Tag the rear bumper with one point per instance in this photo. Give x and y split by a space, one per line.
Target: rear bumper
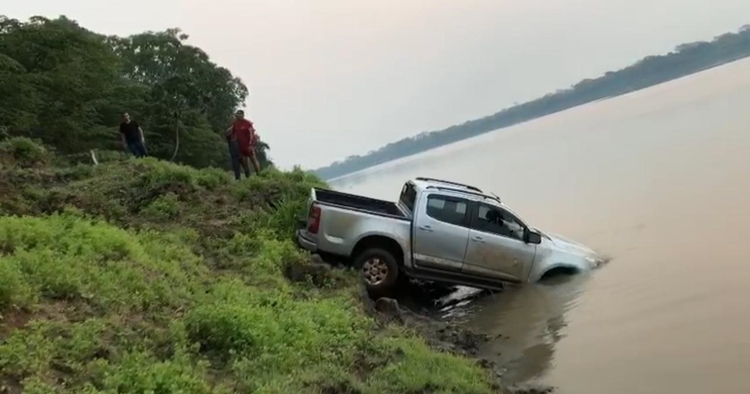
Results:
305 243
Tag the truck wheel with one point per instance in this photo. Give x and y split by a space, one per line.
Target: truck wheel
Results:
379 270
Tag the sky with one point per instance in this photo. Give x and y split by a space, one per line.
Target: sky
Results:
332 78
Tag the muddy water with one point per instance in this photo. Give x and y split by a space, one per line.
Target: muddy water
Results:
659 181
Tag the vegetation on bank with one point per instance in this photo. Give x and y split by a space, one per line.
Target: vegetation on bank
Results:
684 60
147 276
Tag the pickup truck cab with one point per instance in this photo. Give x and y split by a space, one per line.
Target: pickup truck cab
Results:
438 231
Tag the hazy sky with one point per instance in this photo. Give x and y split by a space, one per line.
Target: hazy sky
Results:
330 78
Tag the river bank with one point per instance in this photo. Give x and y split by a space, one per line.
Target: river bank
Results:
149 276
444 334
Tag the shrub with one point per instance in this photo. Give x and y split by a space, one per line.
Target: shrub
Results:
15 292
65 257
155 172
105 156
164 207
22 152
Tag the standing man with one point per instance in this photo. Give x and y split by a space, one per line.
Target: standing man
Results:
243 132
132 136
234 156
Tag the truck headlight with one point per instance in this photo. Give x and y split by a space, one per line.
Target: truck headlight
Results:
593 261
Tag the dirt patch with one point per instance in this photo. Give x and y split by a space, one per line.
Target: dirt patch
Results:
530 389
59 310
10 385
12 320
340 388
315 272
142 197
318 274
440 335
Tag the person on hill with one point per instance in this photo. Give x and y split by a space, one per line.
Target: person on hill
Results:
243 133
234 155
132 136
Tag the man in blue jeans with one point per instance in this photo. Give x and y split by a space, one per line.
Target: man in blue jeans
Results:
234 155
132 136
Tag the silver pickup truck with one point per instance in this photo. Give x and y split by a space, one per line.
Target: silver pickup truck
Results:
438 231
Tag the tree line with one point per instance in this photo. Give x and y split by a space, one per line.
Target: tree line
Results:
68 87
684 60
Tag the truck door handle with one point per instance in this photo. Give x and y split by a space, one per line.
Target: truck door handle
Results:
426 228
478 239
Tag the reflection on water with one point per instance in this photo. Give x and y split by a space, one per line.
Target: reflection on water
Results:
659 180
526 324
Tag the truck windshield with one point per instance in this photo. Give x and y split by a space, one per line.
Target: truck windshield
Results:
408 196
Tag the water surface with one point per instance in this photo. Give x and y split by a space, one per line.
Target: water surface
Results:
658 180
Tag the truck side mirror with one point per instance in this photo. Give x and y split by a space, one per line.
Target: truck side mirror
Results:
532 237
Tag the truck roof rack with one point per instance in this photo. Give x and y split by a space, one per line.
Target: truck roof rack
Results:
479 193
449 183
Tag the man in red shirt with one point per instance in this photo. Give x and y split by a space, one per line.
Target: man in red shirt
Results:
243 134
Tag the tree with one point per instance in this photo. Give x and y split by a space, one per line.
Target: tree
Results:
188 91
69 87
57 74
262 152
18 100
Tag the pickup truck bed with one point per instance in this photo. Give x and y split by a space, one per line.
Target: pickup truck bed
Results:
359 203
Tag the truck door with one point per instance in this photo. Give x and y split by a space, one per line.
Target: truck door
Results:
441 232
496 245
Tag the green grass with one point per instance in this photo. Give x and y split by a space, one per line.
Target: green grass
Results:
22 152
149 277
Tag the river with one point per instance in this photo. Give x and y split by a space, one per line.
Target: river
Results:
657 180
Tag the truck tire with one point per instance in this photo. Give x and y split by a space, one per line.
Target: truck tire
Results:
379 270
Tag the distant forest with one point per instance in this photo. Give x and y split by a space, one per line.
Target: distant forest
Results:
684 60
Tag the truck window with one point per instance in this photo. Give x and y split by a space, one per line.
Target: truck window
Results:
498 221
408 196
448 209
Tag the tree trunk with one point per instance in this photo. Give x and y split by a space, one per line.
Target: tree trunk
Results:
176 138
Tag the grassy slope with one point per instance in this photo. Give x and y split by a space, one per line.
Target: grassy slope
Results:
144 276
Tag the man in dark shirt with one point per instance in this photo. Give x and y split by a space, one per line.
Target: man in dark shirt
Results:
132 136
